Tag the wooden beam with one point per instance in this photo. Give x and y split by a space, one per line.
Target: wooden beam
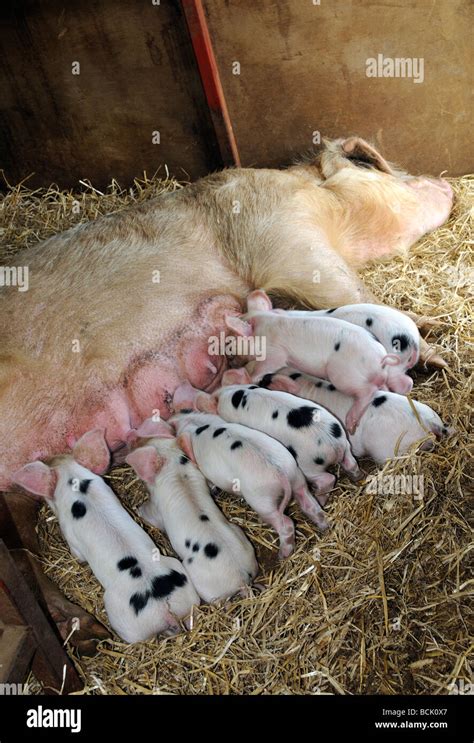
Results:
208 70
50 663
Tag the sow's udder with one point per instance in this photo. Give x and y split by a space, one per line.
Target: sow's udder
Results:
145 383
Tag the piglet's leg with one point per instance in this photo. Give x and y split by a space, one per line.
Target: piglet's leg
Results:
285 529
311 507
324 483
274 361
359 406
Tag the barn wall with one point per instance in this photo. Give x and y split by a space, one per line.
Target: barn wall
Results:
137 75
303 69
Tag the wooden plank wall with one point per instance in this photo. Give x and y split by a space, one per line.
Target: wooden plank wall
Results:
303 69
137 76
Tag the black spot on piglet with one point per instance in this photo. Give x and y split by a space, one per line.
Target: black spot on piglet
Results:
369 322
127 562
300 417
186 410
218 432
337 346
400 342
211 550
293 453
328 312
266 380
336 430
331 388
253 387
84 486
379 400
319 460
236 398
203 517
295 375
275 414
139 601
183 459
164 585
236 445
78 509
202 428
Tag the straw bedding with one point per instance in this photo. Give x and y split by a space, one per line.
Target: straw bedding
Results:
379 604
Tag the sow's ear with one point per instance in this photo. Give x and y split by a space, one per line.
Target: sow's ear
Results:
146 463
92 451
362 153
37 478
259 301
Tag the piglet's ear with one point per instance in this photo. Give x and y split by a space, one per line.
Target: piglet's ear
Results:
159 429
92 451
259 301
185 443
238 326
146 463
206 403
37 478
284 384
235 376
184 397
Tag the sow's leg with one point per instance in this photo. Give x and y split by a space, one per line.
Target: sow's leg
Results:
18 516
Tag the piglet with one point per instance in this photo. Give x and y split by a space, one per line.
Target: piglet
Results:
389 427
218 557
240 460
396 332
313 436
145 592
336 350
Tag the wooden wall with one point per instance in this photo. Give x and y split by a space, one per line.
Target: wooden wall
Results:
302 69
137 76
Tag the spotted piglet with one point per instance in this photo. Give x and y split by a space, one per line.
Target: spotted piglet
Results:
240 460
345 354
218 557
390 426
314 437
396 332
145 592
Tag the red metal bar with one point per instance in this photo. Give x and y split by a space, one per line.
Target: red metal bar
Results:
202 44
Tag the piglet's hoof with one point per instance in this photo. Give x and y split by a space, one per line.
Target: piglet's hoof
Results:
81 630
